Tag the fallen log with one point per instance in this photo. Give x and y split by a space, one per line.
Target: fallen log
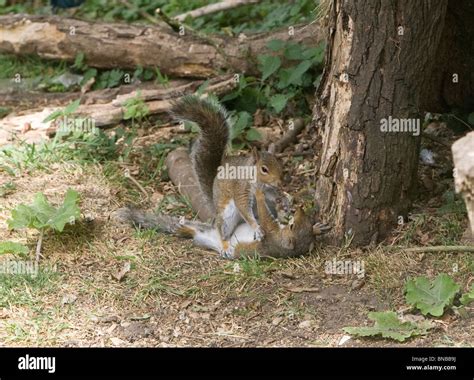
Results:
103 115
18 97
112 45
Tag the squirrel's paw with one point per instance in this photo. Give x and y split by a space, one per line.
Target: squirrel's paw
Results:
320 228
227 251
259 234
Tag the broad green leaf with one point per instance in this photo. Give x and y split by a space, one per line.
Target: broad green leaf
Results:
275 45
23 217
468 297
294 51
115 77
40 214
278 102
253 135
431 297
68 212
388 325
243 120
315 54
12 247
296 73
268 65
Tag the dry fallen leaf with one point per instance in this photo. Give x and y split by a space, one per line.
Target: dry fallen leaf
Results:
117 341
344 339
306 324
276 321
68 299
121 275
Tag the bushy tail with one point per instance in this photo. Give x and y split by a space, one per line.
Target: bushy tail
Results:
209 149
160 222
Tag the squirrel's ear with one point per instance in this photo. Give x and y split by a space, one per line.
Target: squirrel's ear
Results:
271 148
255 153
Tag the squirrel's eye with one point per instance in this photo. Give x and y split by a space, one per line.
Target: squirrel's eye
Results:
264 169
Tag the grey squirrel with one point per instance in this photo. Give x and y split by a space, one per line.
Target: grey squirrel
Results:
231 199
279 241
235 202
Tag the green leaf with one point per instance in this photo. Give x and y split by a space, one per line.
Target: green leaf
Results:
72 107
276 45
79 62
294 52
68 212
40 214
388 325
278 102
200 90
253 135
12 247
468 297
115 77
90 73
243 120
316 54
69 109
53 116
431 297
268 65
23 217
297 72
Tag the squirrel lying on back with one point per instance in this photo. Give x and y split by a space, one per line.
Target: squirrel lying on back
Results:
235 202
279 241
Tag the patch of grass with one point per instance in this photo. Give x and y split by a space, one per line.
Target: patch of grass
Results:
78 148
28 67
175 205
252 267
156 285
26 290
444 229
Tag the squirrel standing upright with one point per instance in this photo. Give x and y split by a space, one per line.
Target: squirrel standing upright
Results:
232 200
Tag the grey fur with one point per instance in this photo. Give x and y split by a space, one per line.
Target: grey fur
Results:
208 150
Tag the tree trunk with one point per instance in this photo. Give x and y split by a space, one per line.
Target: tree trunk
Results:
107 45
452 82
379 62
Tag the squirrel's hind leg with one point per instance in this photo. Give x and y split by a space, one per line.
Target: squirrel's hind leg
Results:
228 220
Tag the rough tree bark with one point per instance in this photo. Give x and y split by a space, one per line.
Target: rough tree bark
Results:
452 82
380 60
107 45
